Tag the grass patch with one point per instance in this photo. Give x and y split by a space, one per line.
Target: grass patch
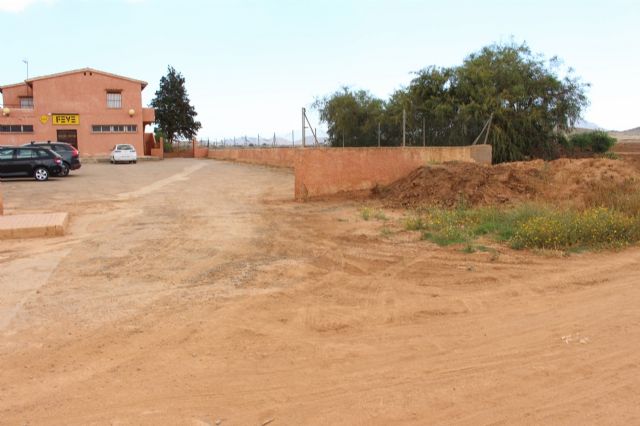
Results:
386 232
534 226
593 228
624 198
368 213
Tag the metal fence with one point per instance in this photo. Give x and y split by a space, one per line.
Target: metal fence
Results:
256 142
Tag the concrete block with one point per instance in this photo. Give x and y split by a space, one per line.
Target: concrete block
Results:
33 225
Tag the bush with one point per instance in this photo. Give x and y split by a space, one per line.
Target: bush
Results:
597 142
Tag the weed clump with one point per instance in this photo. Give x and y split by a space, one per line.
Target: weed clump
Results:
367 213
529 226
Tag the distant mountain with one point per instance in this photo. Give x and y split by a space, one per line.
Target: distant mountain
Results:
626 135
269 141
584 124
634 131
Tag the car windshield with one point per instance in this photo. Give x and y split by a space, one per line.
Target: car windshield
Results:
124 148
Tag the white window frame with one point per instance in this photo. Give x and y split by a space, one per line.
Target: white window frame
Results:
114 99
114 128
26 102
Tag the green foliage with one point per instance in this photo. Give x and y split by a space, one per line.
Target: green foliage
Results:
595 227
529 226
175 116
352 117
367 213
597 142
530 103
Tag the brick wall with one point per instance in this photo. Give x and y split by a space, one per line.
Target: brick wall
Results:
325 171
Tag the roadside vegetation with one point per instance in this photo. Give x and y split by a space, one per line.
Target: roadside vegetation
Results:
608 218
596 142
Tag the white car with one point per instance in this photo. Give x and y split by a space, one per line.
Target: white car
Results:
124 153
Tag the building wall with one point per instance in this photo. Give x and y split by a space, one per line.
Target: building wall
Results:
82 93
322 172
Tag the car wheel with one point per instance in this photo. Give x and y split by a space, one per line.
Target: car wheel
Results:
135 161
64 170
41 174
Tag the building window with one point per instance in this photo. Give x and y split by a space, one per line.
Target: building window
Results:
26 102
114 100
16 128
114 128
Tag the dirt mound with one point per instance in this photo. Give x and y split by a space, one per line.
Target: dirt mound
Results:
560 180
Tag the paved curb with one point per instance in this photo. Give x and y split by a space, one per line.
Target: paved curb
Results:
94 160
33 225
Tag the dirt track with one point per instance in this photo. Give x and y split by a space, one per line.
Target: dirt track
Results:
194 291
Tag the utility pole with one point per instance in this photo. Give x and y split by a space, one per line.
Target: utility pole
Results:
293 141
274 139
258 139
486 136
404 127
304 115
378 134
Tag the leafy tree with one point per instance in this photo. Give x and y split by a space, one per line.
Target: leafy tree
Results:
530 103
532 106
352 117
175 115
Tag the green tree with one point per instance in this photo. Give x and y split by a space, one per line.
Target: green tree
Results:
352 117
530 103
175 116
532 106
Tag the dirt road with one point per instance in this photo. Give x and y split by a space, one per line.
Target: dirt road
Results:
195 292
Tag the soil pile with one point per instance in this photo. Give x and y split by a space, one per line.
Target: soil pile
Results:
452 183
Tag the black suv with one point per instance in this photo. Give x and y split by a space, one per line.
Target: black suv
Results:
36 162
68 152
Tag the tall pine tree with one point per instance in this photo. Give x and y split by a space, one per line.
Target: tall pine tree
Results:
175 116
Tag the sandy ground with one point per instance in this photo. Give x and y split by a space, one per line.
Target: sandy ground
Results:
197 293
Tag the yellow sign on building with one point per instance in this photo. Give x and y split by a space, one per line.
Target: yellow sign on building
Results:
66 119
44 119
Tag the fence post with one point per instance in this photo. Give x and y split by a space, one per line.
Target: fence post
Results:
304 125
404 127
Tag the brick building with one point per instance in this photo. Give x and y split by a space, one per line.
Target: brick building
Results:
90 109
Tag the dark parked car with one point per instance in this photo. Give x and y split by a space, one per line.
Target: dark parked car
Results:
68 152
26 161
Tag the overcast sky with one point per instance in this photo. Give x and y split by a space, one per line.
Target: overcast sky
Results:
251 65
